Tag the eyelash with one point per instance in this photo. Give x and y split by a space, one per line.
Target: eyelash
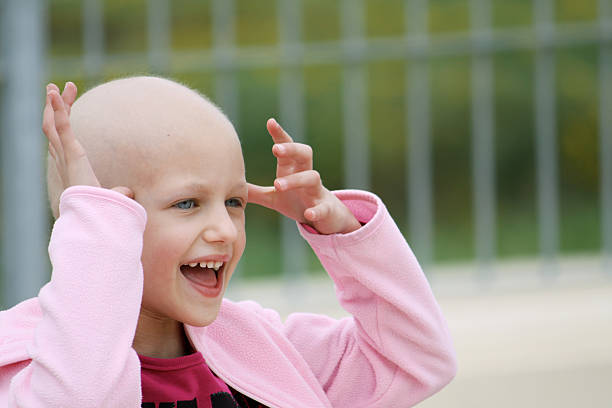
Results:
178 205
239 203
237 200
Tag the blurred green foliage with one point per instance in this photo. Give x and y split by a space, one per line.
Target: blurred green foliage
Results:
256 25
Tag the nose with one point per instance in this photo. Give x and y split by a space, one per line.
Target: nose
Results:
220 227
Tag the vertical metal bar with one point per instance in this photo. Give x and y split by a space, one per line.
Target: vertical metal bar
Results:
291 104
291 77
418 154
158 30
546 135
355 97
225 84
93 40
483 156
605 130
24 203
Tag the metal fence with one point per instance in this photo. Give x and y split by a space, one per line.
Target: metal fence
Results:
22 73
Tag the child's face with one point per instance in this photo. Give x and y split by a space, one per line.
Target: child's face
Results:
195 198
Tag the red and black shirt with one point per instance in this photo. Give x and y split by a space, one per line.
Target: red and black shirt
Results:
187 382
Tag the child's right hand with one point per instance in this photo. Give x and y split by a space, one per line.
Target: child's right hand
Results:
71 160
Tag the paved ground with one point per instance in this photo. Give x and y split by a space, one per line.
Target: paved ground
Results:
547 347
523 338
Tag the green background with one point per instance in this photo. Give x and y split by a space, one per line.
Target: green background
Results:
256 25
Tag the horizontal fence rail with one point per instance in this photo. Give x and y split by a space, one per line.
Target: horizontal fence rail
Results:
331 52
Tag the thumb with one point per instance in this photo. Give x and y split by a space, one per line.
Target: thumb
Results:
126 191
261 195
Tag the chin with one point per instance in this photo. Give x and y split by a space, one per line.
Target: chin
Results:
202 319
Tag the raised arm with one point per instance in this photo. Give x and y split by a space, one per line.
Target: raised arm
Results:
80 353
396 349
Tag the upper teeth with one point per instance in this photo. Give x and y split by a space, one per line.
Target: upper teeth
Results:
210 264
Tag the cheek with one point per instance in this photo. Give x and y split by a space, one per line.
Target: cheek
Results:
241 237
160 256
159 247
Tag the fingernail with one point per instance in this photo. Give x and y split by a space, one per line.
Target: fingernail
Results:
48 87
279 148
280 184
65 85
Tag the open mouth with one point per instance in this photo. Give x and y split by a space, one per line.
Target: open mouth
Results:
205 274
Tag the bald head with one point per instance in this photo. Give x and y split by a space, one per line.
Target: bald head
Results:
128 124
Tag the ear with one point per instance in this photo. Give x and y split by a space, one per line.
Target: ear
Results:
126 191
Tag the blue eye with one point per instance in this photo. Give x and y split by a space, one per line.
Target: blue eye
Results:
233 202
185 204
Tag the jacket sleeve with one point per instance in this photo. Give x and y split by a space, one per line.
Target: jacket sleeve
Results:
396 349
81 354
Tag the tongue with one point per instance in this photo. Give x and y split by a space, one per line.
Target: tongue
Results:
201 276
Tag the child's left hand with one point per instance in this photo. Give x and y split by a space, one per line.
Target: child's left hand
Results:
298 192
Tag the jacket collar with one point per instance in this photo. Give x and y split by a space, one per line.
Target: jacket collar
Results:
254 357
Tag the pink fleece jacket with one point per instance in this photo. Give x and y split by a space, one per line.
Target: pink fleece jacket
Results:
72 346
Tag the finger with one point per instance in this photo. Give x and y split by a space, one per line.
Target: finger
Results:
62 124
295 153
317 213
260 195
52 87
69 95
48 127
277 132
52 151
309 179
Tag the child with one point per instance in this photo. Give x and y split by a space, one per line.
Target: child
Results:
149 203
